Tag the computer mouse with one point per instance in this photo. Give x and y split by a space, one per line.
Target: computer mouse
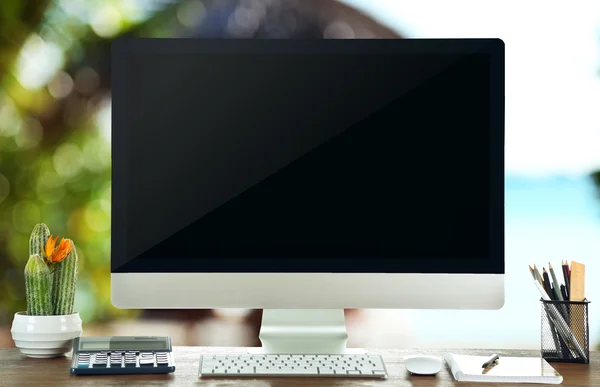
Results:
423 365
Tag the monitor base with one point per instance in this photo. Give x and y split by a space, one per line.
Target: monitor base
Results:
303 331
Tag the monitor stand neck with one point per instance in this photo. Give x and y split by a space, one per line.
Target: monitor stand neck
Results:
303 331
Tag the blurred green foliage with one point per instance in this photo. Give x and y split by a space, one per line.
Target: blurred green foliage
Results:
55 138
55 112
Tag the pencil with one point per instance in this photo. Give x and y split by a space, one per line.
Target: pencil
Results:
555 283
532 273
537 274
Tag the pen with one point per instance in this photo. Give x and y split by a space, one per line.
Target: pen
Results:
547 285
566 276
564 292
494 358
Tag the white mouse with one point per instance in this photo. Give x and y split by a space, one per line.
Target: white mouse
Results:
423 365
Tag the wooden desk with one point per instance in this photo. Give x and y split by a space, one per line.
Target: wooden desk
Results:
16 370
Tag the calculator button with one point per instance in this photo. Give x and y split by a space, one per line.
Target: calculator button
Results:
83 360
162 360
147 362
99 363
115 359
146 354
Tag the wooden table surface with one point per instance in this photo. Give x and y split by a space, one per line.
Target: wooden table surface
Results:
17 370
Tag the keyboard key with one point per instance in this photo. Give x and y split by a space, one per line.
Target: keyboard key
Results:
307 370
326 371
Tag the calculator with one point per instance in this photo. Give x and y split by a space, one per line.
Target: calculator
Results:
113 355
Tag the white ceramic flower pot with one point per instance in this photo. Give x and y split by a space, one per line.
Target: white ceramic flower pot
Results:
45 336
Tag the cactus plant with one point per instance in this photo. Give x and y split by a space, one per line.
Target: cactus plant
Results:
37 240
50 274
38 284
65 281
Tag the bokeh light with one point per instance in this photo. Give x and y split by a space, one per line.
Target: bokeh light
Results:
61 86
86 80
134 10
96 154
30 134
50 187
38 62
103 119
10 120
67 160
77 10
106 20
191 13
96 217
25 214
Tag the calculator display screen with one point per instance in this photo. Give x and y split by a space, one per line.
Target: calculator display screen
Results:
121 345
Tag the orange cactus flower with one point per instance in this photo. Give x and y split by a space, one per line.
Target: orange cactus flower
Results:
55 253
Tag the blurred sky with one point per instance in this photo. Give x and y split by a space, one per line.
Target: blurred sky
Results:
552 77
552 144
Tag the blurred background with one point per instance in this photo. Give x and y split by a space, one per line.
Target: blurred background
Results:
55 113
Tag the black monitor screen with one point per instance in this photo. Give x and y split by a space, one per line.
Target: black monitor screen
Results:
330 160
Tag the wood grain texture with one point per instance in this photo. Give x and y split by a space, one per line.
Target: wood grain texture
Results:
16 370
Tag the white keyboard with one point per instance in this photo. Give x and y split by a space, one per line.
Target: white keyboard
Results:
341 366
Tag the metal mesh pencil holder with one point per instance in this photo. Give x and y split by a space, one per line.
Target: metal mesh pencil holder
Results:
565 331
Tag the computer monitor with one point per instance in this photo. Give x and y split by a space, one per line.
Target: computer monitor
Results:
305 177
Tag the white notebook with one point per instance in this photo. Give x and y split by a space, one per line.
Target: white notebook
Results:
508 370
